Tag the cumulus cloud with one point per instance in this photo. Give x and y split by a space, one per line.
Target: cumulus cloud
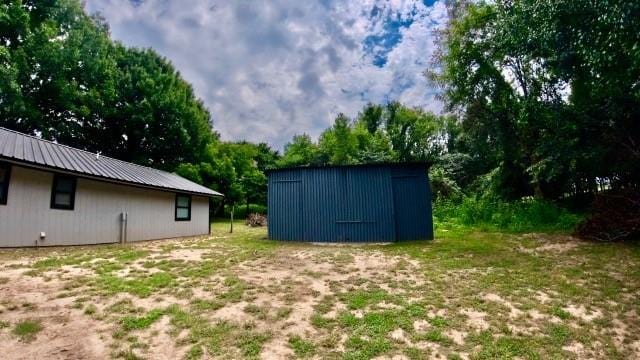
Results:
270 69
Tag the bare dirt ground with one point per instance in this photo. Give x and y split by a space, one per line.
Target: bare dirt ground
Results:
464 296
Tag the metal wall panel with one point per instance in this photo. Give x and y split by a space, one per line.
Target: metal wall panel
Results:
96 216
349 204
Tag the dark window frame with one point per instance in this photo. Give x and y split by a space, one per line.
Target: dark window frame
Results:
4 187
54 191
188 218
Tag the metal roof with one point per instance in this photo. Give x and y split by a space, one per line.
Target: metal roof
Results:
420 164
32 151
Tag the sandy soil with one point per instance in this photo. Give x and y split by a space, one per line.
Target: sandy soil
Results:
282 291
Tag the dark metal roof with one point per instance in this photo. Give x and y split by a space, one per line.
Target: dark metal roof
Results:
423 164
30 150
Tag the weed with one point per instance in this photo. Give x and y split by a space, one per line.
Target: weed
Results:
302 348
27 330
134 323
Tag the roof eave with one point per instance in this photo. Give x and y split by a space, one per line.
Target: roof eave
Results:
33 165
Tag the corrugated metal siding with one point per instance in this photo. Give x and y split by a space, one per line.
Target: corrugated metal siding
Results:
15 146
96 216
347 204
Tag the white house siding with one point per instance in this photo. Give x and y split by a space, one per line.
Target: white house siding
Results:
96 216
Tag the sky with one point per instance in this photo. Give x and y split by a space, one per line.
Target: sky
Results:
268 70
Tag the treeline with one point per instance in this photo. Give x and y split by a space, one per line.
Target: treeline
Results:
542 99
389 133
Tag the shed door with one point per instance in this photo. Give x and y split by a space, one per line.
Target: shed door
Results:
285 220
410 208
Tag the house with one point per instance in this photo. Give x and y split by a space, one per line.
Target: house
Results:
353 203
52 194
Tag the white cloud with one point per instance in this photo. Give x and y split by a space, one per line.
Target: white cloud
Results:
269 70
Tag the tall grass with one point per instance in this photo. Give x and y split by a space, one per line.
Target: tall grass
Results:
527 215
240 211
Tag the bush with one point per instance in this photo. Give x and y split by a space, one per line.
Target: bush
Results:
256 220
495 214
241 211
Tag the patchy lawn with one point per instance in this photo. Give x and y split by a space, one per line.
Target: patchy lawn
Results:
473 295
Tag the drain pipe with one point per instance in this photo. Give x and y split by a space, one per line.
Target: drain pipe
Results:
123 228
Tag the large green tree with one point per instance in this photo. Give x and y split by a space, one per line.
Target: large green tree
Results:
62 77
546 91
380 133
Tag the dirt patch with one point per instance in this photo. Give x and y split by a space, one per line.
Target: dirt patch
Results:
162 345
399 335
457 336
582 313
574 347
66 332
421 325
278 348
476 319
514 312
558 248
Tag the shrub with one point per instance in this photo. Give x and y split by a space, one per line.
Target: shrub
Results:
241 212
495 214
256 220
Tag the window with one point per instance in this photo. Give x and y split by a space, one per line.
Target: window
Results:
183 207
63 194
5 174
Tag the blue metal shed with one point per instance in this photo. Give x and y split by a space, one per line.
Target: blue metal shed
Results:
352 203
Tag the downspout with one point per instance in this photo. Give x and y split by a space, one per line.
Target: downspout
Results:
123 228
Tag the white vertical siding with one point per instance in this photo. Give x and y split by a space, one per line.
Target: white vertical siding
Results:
96 217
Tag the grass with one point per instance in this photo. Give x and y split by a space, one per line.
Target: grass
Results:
301 347
471 213
136 323
27 330
470 293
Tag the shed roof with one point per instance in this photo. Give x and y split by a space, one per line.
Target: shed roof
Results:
422 164
30 150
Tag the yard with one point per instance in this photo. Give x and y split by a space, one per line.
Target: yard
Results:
476 295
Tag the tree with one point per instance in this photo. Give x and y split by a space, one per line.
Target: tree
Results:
301 151
337 144
414 134
63 78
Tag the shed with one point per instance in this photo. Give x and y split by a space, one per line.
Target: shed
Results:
352 203
52 194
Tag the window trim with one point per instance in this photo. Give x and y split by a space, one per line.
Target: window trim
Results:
4 188
176 207
72 202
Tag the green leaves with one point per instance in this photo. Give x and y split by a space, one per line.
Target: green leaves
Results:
544 92
380 134
62 76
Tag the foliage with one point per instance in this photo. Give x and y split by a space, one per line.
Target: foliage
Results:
390 133
546 91
498 215
236 169
62 77
300 151
241 212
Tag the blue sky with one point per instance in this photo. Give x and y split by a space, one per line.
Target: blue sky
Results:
270 69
